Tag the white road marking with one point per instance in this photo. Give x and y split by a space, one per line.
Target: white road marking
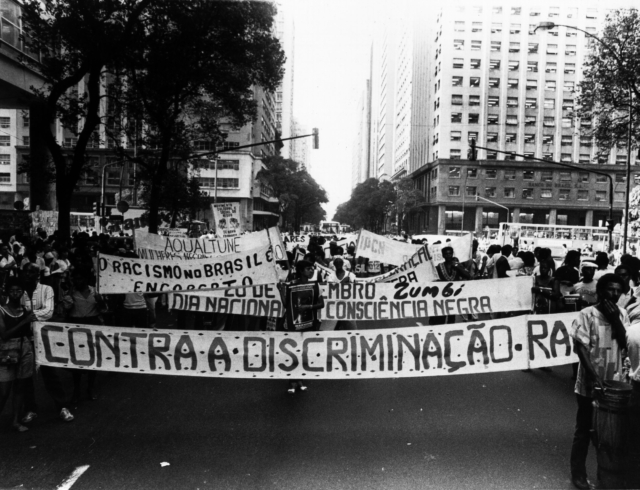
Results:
71 479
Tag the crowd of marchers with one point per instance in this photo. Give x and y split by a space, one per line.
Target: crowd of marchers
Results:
43 278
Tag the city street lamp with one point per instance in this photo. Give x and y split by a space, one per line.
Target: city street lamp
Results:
547 25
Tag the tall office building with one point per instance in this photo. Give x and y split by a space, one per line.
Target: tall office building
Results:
495 78
285 29
411 91
383 87
361 143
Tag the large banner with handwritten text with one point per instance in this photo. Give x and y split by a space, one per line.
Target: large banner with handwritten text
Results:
157 247
467 348
262 300
118 275
393 301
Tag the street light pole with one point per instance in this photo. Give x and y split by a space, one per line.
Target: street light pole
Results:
550 25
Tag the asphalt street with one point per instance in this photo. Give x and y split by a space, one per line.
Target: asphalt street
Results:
506 430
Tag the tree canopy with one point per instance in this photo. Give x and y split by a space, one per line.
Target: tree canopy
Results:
166 71
299 195
609 93
198 64
77 40
369 205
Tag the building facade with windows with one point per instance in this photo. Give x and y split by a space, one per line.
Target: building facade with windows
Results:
494 78
10 139
474 196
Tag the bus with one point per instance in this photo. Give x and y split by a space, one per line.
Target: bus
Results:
558 238
332 227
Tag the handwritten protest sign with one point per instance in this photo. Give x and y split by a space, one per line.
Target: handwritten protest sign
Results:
157 247
46 220
127 275
382 249
421 266
392 301
344 241
467 348
264 300
226 216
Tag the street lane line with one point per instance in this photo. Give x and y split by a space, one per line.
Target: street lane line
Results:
77 473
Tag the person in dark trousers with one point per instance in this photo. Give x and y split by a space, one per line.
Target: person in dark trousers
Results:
38 298
302 314
599 335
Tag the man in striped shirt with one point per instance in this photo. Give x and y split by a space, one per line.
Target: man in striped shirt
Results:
38 298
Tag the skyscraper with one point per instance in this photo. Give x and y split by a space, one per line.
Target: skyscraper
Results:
486 73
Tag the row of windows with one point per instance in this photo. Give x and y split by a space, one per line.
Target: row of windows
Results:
572 13
584 158
222 164
512 120
514 65
206 145
455 172
529 193
494 101
496 28
549 85
223 183
514 47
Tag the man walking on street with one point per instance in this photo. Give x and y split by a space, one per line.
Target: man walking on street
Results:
38 298
599 335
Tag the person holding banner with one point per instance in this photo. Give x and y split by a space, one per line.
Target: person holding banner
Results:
85 306
339 276
599 335
450 269
302 302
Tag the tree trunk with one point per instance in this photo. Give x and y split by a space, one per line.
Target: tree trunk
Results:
154 194
64 212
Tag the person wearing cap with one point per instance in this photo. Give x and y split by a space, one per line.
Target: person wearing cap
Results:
586 288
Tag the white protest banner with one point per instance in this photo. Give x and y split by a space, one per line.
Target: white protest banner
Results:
226 216
467 348
264 300
382 249
293 241
421 267
126 275
393 301
344 241
157 247
462 248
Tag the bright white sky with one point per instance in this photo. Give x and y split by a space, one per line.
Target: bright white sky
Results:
332 42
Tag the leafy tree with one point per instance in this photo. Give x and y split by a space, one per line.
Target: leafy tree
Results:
198 61
408 197
179 194
299 194
77 40
369 205
609 93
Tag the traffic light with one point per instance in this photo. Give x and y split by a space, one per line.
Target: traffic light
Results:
96 209
472 153
316 139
